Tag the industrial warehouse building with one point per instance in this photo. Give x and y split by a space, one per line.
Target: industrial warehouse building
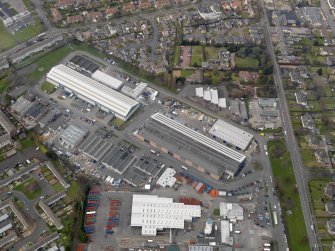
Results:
231 134
153 213
191 147
107 80
93 91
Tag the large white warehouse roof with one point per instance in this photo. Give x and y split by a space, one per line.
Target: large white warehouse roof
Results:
107 79
93 90
198 137
154 213
231 134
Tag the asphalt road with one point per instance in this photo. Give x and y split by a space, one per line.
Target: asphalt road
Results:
21 157
291 143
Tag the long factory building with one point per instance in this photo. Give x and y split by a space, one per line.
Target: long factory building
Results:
191 147
92 91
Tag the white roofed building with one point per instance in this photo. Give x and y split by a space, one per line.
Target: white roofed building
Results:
231 211
222 103
199 92
93 91
167 179
225 233
107 80
214 96
134 92
231 134
153 213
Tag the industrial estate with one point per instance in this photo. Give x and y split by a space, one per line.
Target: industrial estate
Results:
191 125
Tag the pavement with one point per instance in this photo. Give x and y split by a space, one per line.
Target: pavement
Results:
290 139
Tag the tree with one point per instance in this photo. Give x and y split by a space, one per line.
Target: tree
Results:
320 71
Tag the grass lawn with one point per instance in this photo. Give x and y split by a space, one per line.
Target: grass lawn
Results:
27 143
30 31
216 76
176 55
288 194
197 56
30 188
7 40
4 83
48 87
212 52
58 187
74 191
45 63
186 73
246 63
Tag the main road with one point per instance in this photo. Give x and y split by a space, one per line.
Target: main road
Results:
291 144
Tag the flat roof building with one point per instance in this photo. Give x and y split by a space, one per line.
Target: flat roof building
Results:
231 211
231 134
167 179
225 233
153 213
92 91
107 80
191 147
72 136
134 92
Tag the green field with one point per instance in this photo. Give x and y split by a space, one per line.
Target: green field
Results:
7 40
289 196
30 188
58 187
176 59
212 52
27 142
4 84
74 191
246 63
48 87
197 56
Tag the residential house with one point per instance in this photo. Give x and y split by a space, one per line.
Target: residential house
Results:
331 226
330 190
314 141
307 121
301 98
330 207
74 19
144 4
248 76
64 4
94 16
4 64
321 156
5 139
56 15
111 12
128 7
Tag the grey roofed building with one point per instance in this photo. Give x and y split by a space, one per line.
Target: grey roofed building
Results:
331 226
57 174
4 64
95 147
7 124
314 140
54 219
149 167
267 102
301 98
5 139
8 238
243 109
37 110
54 125
330 190
55 197
184 142
36 47
234 107
307 121
200 248
330 207
269 113
72 136
48 117
21 106
43 242
119 159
